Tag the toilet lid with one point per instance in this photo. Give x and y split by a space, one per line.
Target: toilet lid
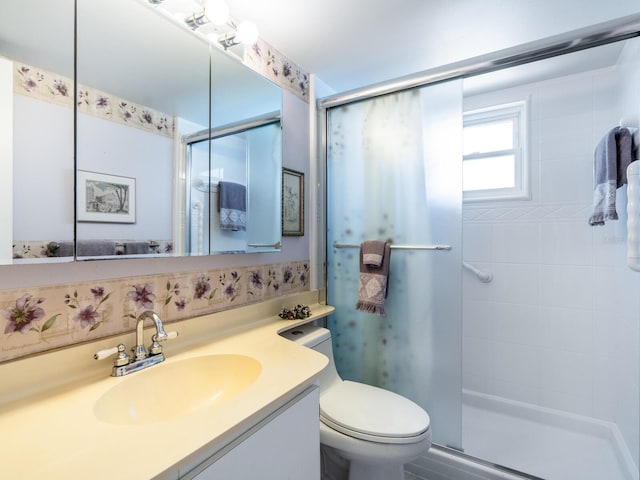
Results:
372 413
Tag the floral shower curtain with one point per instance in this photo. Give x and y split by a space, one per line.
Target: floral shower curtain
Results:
394 173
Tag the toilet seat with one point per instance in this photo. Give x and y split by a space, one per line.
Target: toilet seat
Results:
374 414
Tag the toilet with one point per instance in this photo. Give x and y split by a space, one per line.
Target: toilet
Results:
372 430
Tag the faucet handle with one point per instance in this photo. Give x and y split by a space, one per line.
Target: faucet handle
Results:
171 334
155 347
121 359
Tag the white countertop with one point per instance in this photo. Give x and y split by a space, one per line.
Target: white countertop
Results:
54 434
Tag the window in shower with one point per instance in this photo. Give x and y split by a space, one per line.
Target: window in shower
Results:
495 162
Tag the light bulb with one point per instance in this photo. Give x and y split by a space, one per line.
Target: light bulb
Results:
216 11
247 33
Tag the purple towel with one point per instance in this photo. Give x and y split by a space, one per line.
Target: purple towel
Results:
95 248
136 248
373 283
611 159
232 204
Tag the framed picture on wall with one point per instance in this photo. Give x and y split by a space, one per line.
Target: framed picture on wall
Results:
292 203
106 198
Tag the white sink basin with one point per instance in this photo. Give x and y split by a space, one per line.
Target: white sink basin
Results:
169 390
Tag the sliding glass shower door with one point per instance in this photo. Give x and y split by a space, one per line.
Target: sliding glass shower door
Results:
394 173
551 344
550 339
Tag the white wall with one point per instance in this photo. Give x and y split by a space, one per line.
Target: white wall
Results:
107 147
6 159
558 326
43 163
623 363
296 155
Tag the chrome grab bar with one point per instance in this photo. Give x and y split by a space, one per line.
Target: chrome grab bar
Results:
484 277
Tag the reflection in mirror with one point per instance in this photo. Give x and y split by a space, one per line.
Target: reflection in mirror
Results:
36 131
238 94
137 92
142 95
264 159
246 152
242 186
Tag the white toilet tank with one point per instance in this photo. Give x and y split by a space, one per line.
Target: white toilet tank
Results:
318 339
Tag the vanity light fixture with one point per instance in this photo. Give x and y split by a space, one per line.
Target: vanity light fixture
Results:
246 33
214 11
217 13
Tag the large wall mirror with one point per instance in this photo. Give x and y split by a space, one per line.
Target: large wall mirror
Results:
36 129
176 140
177 143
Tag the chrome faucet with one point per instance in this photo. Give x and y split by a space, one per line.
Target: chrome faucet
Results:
123 364
160 336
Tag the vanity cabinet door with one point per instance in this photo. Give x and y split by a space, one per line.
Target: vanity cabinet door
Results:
287 447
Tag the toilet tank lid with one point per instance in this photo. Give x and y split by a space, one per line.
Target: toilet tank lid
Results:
307 335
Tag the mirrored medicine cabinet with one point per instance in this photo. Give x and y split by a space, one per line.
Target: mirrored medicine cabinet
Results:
167 146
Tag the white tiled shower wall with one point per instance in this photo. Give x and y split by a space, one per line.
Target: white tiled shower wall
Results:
558 326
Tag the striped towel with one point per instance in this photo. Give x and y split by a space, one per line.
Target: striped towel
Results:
232 203
373 280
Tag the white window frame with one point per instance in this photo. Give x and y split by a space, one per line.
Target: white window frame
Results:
516 111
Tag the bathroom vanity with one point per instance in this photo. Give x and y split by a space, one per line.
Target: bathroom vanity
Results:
64 416
283 445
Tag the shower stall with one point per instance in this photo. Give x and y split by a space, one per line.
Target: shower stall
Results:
527 360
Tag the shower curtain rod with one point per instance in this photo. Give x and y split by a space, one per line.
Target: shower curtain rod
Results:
576 40
400 247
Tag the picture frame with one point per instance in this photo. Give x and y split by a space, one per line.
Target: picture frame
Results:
292 203
105 198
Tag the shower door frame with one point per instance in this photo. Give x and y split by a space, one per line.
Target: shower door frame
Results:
576 40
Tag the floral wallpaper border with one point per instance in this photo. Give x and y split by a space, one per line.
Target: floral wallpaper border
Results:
37 319
270 63
50 248
51 87
54 88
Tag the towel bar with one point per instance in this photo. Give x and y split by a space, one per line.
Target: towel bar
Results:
265 245
400 247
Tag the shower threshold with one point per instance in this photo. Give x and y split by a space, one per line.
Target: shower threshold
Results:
549 443
444 463
503 439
